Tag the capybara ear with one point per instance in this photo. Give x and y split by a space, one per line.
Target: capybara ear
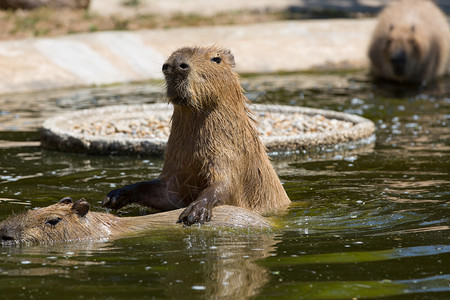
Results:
81 207
226 53
65 200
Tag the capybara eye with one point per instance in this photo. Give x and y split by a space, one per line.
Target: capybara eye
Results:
52 222
65 200
165 67
216 59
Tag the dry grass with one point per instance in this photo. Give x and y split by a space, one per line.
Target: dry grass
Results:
48 22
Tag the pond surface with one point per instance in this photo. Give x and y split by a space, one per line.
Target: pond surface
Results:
370 222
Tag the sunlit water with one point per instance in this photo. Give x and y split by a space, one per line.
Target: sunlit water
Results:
369 222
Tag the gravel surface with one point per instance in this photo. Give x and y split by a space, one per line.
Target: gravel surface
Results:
144 129
269 124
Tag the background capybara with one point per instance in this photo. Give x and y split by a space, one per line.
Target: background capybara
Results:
411 42
72 221
214 153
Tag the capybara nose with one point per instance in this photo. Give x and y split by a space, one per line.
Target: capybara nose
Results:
183 66
399 57
398 61
178 66
5 236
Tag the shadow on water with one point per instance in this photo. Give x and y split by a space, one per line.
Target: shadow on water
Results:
366 222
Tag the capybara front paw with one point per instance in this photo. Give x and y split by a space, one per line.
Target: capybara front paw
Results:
195 213
115 199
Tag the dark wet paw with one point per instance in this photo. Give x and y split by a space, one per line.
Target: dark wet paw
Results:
116 199
195 213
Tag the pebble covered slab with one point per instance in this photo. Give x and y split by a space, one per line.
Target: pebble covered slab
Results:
144 129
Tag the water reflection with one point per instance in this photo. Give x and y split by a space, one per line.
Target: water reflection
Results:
225 263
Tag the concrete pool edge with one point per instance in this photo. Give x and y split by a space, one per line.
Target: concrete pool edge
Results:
114 57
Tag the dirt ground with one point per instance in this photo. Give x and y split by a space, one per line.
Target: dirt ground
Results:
46 22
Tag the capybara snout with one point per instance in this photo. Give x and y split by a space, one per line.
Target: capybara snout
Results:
65 220
179 65
6 236
398 61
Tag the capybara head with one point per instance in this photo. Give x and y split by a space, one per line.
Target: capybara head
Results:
404 49
199 77
63 221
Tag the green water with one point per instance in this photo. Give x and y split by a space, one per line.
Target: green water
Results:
369 222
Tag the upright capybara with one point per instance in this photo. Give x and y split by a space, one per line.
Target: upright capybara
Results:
411 42
214 154
68 221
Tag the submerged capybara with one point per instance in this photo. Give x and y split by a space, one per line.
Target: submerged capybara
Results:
68 221
411 42
214 154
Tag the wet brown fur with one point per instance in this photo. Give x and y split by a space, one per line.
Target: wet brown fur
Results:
214 153
213 140
66 221
58 222
420 30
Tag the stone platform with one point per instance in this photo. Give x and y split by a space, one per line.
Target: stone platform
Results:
144 129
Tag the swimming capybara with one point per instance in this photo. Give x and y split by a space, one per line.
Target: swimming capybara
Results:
68 221
214 154
411 42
